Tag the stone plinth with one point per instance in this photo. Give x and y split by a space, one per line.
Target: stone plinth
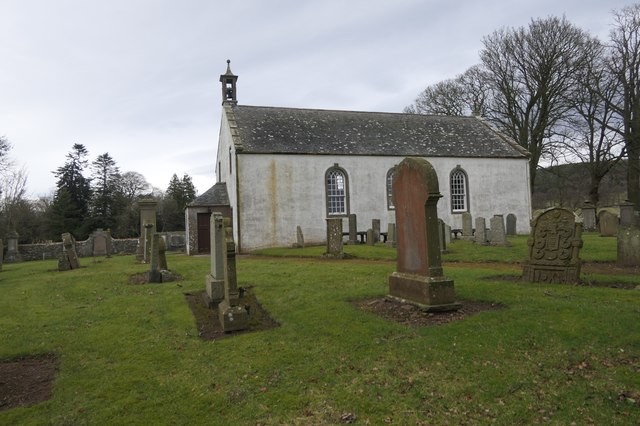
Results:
553 248
418 278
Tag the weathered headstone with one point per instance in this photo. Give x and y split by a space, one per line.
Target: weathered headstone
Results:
588 216
101 242
480 236
447 234
419 277
511 224
162 254
629 245
334 238
147 215
69 256
467 226
375 226
149 232
353 229
371 239
441 239
554 248
391 234
628 215
155 276
608 223
232 315
13 255
497 236
299 237
214 282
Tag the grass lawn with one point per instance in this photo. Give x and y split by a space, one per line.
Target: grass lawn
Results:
130 354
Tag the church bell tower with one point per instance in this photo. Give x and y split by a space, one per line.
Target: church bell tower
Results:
228 81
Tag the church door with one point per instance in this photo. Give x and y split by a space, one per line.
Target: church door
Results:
204 238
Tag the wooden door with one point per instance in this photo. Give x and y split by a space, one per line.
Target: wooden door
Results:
204 237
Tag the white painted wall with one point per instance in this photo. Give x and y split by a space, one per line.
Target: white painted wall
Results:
279 192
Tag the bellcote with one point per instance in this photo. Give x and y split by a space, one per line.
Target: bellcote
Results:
228 81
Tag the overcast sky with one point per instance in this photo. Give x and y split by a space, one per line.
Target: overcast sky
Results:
139 79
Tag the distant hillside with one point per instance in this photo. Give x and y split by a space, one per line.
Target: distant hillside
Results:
567 185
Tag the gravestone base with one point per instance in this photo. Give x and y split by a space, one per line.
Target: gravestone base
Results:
431 294
550 274
232 318
215 291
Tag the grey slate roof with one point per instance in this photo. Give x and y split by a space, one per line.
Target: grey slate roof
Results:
311 131
215 196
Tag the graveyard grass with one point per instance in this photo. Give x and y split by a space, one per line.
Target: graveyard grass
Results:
130 354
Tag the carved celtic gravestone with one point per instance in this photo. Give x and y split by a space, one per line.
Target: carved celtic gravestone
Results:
418 278
231 314
334 238
69 257
554 248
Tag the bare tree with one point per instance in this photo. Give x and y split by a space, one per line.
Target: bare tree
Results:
625 65
14 188
529 71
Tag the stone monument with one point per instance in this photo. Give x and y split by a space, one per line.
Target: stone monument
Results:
155 275
553 248
588 216
628 244
334 238
13 255
375 226
608 223
232 316
480 236
511 224
498 235
214 282
467 226
353 229
101 242
147 215
391 235
69 257
419 277
299 237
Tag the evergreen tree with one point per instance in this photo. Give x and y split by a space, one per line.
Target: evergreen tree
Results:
73 193
180 192
107 201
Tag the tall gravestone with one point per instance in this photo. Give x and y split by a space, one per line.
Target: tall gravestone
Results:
419 277
480 236
511 224
149 232
441 238
447 234
155 276
588 216
13 255
467 226
353 229
214 281
498 235
334 238
391 234
375 226
299 237
69 257
101 240
231 314
608 224
147 216
628 214
553 254
628 244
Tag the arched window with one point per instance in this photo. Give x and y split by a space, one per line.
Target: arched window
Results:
390 205
337 190
459 190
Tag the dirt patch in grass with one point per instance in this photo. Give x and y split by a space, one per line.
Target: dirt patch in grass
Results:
27 380
207 322
408 314
143 278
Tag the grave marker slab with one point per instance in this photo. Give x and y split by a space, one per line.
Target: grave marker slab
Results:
418 278
553 248
608 223
467 226
480 236
353 229
511 224
334 238
214 281
498 236
588 216
231 314
375 226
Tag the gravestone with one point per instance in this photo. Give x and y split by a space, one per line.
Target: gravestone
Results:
371 239
497 235
214 282
299 237
511 224
231 314
480 236
628 216
162 254
467 226
553 254
375 226
353 229
155 276
608 223
149 232
629 246
12 248
441 239
101 242
418 278
588 216
447 234
334 238
147 215
391 235
69 257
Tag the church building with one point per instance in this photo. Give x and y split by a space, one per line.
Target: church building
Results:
289 167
